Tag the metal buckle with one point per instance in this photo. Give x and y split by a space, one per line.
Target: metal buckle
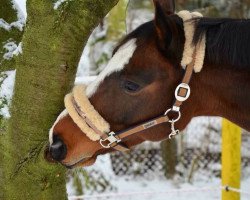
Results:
182 86
111 138
174 131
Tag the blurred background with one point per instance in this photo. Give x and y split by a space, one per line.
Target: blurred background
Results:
191 161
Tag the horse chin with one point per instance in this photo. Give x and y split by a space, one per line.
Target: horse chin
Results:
83 163
87 162
47 156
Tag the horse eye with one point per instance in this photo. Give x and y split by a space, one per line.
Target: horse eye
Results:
130 86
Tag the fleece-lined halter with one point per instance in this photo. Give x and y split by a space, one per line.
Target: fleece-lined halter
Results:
97 128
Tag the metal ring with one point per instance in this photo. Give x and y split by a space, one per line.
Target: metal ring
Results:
103 145
173 120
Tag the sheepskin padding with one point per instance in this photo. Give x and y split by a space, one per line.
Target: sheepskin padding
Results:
79 96
80 122
190 51
83 102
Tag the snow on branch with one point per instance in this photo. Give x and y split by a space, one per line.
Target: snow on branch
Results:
21 16
19 24
12 49
58 3
7 80
5 25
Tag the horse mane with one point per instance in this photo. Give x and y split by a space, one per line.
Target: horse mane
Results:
227 41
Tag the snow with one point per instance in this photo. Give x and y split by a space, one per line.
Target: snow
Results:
95 49
21 18
84 63
138 17
155 189
202 132
4 25
12 49
6 91
21 15
58 3
17 24
20 5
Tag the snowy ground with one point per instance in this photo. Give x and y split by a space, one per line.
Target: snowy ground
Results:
156 189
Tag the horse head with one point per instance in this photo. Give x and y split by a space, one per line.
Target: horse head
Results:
137 85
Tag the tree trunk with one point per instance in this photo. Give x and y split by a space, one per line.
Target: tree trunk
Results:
117 21
8 15
169 155
52 45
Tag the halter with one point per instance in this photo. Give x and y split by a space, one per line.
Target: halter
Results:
114 140
193 57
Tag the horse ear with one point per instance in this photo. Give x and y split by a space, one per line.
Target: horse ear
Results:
163 21
168 6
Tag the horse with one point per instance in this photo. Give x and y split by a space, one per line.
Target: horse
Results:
145 94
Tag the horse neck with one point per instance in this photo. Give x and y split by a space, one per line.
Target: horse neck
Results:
222 91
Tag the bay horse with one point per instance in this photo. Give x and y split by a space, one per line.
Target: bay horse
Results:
139 85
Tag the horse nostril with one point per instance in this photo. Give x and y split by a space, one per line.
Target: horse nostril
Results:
58 149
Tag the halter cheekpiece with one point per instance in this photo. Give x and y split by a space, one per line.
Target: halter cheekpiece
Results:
98 129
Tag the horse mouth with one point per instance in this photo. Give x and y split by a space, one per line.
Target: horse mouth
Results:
85 162
47 156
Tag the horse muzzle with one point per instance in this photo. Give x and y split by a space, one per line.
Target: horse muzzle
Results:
57 151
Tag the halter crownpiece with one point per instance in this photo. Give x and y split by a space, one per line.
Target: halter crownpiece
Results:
191 52
97 128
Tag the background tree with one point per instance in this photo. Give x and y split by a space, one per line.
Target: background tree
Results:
52 45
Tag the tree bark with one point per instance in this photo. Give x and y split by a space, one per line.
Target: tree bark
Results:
9 15
169 155
52 45
117 21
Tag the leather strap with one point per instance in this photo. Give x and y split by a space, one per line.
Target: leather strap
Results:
141 127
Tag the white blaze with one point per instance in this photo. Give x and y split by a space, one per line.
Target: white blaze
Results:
62 115
117 63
